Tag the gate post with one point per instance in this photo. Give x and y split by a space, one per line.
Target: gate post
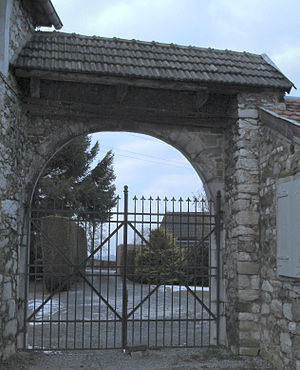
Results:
124 269
218 246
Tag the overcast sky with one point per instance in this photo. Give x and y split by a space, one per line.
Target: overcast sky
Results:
147 165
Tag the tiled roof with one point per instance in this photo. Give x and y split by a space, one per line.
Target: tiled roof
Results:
56 51
292 110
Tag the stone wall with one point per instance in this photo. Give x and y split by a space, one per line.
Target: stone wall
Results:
280 311
12 164
262 309
241 257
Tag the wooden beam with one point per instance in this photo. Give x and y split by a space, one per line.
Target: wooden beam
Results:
122 91
121 112
93 78
110 80
35 87
201 99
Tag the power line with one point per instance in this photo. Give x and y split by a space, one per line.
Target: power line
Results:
151 161
148 155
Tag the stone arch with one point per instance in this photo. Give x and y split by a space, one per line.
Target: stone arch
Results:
202 148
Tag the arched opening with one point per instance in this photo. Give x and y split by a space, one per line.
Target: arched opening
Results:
146 273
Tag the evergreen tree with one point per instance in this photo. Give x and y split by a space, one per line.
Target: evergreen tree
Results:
68 179
69 184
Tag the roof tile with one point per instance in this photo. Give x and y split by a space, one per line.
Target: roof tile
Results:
292 110
56 51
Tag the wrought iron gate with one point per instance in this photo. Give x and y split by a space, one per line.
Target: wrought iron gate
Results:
147 276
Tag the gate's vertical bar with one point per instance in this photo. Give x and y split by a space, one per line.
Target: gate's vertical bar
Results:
218 246
124 270
27 272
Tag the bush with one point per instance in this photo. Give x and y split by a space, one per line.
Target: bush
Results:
159 261
196 265
163 261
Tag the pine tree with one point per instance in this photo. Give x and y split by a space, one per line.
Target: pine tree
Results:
69 181
68 184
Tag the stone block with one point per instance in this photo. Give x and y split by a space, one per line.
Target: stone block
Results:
276 307
245 257
249 325
10 328
243 282
296 310
266 286
247 217
8 350
287 311
247 113
248 188
247 268
265 309
11 308
255 281
285 342
296 346
7 291
249 338
249 351
242 231
247 164
248 295
248 316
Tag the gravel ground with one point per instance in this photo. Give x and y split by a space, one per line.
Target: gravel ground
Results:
177 359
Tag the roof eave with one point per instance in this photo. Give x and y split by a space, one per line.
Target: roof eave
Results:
271 63
44 14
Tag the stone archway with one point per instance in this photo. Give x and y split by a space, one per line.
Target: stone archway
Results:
203 149
204 102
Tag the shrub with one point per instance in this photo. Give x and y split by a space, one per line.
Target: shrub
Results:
159 261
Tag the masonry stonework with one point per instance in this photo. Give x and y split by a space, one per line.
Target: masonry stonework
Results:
243 158
280 296
242 181
12 163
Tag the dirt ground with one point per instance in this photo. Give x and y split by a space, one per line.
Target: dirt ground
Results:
177 359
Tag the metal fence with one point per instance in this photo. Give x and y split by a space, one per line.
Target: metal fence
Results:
146 276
